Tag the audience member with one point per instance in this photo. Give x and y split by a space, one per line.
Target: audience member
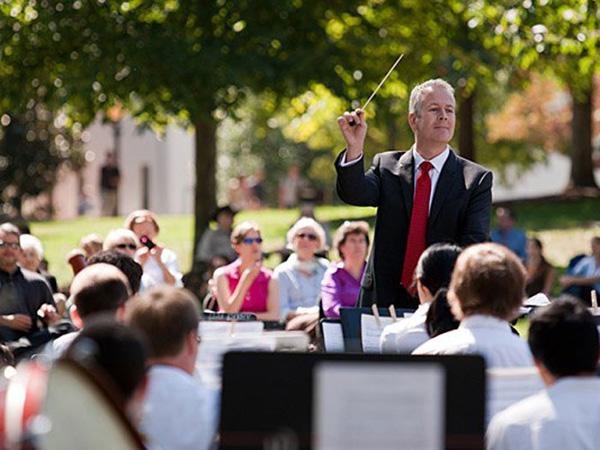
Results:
564 341
245 285
179 412
125 263
158 262
507 234
217 242
300 277
432 273
115 356
540 273
126 242
99 289
25 296
486 291
341 282
91 244
585 275
440 319
32 255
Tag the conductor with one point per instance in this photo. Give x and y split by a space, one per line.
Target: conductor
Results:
425 195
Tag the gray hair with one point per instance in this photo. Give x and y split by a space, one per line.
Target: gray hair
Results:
114 236
28 241
307 222
9 228
416 96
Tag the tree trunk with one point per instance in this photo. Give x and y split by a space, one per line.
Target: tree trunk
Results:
466 138
205 192
582 173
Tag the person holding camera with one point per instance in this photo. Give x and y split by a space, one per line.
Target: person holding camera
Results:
158 262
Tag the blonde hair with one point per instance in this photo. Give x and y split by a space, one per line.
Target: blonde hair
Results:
133 217
307 222
239 232
116 235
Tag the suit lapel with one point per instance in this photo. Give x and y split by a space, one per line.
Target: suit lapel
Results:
406 176
444 186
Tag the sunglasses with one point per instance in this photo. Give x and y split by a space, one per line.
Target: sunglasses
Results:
251 240
124 246
11 245
309 236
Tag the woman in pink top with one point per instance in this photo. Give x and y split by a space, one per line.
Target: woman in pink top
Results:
244 285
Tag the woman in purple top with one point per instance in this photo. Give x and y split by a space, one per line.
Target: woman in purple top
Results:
341 282
244 285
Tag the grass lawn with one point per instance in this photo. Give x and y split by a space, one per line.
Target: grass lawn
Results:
565 228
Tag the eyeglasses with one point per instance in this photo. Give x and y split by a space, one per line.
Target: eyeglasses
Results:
11 245
251 240
124 246
309 236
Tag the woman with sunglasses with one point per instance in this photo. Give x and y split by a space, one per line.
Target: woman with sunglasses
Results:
299 277
245 285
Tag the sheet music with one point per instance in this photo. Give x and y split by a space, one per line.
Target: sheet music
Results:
408 314
537 300
379 406
507 386
333 337
222 329
370 332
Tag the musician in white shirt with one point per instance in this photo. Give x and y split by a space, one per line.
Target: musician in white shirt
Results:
486 291
566 415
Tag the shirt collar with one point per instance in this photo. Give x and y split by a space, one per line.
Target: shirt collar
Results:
483 321
437 162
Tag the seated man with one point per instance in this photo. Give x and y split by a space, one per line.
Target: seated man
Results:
564 341
25 297
486 290
585 276
508 235
98 289
179 412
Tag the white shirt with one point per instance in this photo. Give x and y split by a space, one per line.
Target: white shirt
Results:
406 335
179 412
169 259
566 416
434 174
485 335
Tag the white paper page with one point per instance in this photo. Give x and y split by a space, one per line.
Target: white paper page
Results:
333 337
408 314
508 386
223 329
379 406
370 332
524 310
594 312
537 300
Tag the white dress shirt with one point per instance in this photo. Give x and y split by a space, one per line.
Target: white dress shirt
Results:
484 335
179 412
434 174
566 416
407 334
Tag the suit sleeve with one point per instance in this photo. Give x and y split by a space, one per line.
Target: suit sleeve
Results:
356 187
476 227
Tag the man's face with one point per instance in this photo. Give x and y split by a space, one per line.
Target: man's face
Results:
9 251
435 122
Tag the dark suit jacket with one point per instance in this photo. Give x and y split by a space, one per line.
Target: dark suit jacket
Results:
460 213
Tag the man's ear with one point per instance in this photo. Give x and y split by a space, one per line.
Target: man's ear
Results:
76 317
412 120
120 313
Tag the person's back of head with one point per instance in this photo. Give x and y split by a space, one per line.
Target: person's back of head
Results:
435 266
99 288
126 264
563 337
439 316
168 318
488 279
114 355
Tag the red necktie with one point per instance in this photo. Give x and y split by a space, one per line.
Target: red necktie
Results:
416 243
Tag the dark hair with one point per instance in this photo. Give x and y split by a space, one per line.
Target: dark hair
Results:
508 211
125 263
439 317
113 354
165 316
563 336
100 293
435 266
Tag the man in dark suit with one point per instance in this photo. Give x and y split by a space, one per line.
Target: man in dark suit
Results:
423 196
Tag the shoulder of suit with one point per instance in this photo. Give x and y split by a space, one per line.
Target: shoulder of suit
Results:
389 155
470 165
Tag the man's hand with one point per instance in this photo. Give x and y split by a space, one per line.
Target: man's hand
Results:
48 313
353 134
19 322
